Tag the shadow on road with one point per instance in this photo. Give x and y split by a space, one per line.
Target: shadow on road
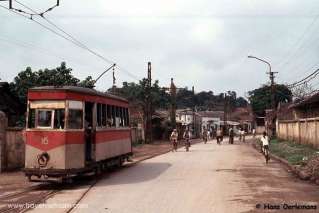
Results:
272 184
139 173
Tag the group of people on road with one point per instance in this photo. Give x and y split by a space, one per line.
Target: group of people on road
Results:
174 139
206 135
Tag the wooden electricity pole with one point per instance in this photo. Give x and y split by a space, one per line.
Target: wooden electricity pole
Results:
148 126
173 103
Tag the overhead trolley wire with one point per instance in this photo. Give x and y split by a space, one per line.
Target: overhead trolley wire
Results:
63 34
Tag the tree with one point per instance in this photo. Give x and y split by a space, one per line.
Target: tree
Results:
301 91
60 76
241 102
136 93
87 82
260 99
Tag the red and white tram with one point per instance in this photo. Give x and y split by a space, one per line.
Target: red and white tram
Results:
74 130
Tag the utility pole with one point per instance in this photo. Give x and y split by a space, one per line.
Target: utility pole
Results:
194 120
148 129
273 101
225 112
173 103
272 92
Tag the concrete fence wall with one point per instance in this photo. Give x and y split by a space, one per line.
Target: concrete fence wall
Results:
12 146
137 134
305 131
15 148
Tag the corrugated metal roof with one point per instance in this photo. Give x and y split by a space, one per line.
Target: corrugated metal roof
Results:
307 100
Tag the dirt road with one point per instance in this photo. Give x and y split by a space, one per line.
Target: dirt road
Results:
210 178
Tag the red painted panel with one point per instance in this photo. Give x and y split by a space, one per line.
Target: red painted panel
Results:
54 95
111 135
60 95
75 137
47 140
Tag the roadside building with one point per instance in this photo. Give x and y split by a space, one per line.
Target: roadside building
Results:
299 121
189 120
244 116
211 120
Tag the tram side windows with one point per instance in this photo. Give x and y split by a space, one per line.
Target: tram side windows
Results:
75 115
75 120
127 119
117 117
109 116
59 118
44 118
99 115
31 119
104 118
113 116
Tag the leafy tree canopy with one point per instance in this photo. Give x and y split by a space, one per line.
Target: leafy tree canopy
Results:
60 76
260 98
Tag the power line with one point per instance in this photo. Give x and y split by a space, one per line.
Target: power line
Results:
304 80
34 13
285 62
39 49
80 44
72 40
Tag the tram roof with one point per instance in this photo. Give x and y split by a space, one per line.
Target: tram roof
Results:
76 89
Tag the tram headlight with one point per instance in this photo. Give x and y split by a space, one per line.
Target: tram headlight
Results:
43 159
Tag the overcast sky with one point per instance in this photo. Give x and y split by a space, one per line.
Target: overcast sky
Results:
204 43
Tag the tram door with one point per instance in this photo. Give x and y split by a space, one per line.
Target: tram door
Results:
89 131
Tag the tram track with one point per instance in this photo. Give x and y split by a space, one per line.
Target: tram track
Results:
26 200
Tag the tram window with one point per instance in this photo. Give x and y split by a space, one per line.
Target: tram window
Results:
31 118
117 116
113 116
99 114
122 116
44 118
75 119
59 118
103 114
127 117
109 115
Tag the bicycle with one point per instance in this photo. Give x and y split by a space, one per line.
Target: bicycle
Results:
174 145
187 144
265 152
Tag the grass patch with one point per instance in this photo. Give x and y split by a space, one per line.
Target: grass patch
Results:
294 153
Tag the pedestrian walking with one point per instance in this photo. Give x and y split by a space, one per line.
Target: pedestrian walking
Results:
243 134
204 134
187 137
219 135
173 139
254 133
231 136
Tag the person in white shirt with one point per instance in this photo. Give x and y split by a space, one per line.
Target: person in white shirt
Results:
174 138
254 133
265 141
187 137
